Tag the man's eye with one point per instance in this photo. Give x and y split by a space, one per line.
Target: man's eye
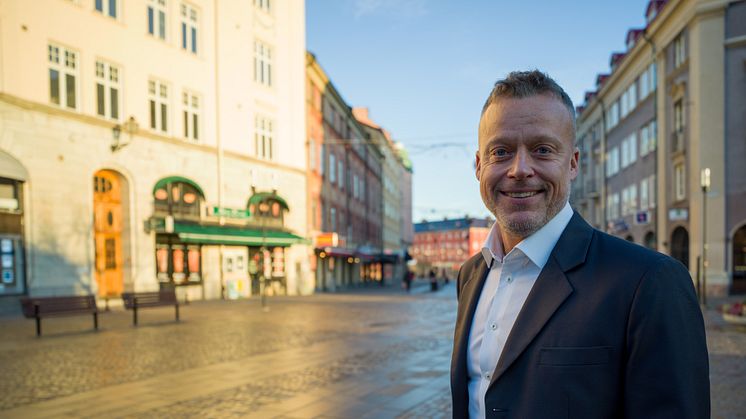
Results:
501 152
543 150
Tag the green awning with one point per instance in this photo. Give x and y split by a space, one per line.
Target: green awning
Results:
261 196
162 183
215 234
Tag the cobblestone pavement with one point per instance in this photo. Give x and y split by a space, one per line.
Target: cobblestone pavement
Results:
372 353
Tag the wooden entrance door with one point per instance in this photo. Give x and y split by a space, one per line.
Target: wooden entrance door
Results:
107 220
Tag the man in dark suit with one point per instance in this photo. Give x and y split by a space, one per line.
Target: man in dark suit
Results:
557 319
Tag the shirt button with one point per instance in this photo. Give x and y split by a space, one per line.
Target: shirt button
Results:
487 376
510 279
493 326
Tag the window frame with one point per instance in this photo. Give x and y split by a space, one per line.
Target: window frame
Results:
263 63
106 82
155 10
158 106
190 103
65 71
189 28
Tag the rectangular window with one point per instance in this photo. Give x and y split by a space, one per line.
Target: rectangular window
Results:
653 133
678 116
632 148
644 141
651 191
679 177
262 63
332 168
190 102
157 18
341 174
679 50
263 137
107 90
189 26
625 154
107 7
63 73
263 5
158 104
644 86
644 194
322 163
632 196
333 218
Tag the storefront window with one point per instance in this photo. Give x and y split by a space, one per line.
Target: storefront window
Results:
179 199
176 262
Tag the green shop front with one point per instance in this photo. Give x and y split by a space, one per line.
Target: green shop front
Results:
224 252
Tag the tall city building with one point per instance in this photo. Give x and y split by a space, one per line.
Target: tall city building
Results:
661 140
445 245
153 144
355 191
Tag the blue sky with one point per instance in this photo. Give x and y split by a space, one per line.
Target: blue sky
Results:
425 67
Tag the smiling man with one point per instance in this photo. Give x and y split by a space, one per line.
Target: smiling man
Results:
556 319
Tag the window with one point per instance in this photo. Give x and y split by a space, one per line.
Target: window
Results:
107 7
644 194
262 63
107 90
679 182
333 218
678 116
63 73
263 5
631 149
189 24
157 18
190 101
263 137
341 174
311 155
612 117
158 100
644 140
679 50
653 135
612 162
180 199
628 100
647 81
612 206
322 165
332 168
651 191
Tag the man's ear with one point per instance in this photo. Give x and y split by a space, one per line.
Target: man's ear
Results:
574 164
478 165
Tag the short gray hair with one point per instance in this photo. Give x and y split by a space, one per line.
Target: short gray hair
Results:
521 84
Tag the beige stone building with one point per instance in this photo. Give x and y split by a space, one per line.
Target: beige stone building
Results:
670 111
153 143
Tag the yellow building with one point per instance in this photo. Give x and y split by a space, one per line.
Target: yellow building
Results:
153 143
662 140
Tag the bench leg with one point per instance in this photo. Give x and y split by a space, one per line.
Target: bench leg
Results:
38 326
177 312
95 321
134 316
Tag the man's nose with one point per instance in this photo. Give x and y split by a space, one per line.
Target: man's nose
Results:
521 167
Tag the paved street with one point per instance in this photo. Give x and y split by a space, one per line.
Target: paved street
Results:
373 353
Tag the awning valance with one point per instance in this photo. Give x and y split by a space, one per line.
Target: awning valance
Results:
216 234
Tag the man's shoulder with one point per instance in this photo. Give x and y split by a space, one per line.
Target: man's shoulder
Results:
473 262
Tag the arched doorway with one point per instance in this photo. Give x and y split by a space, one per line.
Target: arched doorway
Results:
739 261
107 225
649 240
680 245
629 238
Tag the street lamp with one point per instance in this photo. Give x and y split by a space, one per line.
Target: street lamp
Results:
704 182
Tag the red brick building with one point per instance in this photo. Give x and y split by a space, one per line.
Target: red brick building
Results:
447 244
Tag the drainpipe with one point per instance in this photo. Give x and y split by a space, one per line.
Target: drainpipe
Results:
219 144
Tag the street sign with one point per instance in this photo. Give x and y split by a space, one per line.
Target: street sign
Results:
238 213
642 217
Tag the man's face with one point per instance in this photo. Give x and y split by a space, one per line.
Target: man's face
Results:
526 161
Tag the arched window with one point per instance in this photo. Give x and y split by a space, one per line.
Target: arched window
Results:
178 197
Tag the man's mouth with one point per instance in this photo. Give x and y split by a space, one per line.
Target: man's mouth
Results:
524 194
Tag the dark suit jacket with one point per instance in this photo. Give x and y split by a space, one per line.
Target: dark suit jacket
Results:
609 330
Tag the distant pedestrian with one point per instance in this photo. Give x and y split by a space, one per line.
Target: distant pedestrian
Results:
433 280
408 277
444 275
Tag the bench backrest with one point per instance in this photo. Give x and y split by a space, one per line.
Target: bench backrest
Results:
58 305
149 298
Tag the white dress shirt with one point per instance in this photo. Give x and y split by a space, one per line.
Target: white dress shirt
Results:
506 288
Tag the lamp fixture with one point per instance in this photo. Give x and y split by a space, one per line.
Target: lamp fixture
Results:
130 127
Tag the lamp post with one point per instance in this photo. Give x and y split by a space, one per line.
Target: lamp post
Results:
704 182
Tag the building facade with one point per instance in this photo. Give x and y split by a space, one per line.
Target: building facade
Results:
162 152
354 192
445 245
672 139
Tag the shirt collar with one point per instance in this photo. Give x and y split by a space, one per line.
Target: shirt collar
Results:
537 247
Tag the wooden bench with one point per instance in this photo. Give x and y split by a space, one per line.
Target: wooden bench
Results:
136 300
40 307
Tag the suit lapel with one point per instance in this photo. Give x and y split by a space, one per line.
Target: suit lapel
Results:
468 304
550 290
